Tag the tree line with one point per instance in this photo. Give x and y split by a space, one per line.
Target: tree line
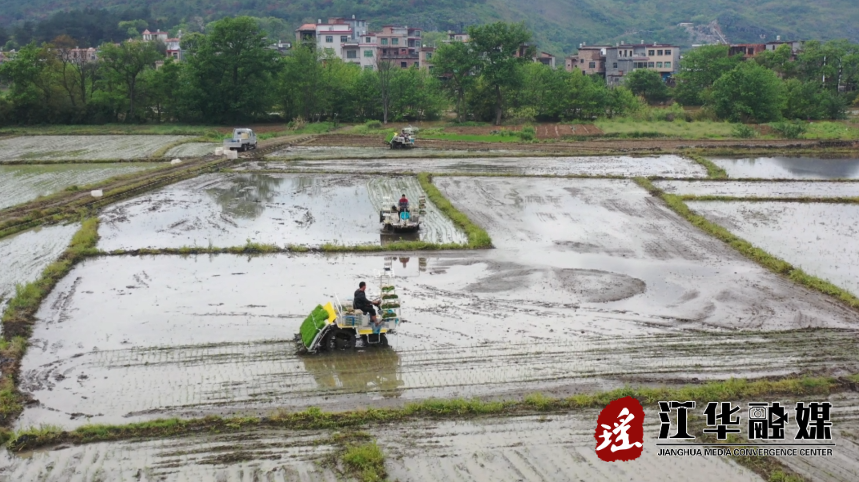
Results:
230 75
818 82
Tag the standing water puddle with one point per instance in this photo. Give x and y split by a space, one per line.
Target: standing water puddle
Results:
790 168
23 256
819 238
667 166
19 184
283 209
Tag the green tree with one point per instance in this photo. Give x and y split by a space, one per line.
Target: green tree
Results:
749 92
648 84
230 71
34 91
499 48
699 69
125 63
458 64
163 90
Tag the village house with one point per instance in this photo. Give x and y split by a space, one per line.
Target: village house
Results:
590 60
623 59
153 36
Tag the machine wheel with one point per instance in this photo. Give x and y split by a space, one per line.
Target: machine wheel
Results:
338 339
383 341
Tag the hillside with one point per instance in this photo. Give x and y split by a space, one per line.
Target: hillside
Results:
559 25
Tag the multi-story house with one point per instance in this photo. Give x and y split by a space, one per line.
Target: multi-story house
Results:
590 60
152 36
623 59
400 45
746 50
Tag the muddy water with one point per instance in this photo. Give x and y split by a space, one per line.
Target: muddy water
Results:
83 147
264 455
553 448
558 446
791 168
283 209
668 166
199 335
616 228
20 184
761 189
23 256
819 238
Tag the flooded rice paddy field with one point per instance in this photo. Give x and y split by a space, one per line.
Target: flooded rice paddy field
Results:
22 183
791 168
820 189
283 209
577 261
553 447
192 149
59 148
668 166
821 239
593 284
271 456
23 256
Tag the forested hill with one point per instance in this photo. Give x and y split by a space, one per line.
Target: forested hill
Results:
559 25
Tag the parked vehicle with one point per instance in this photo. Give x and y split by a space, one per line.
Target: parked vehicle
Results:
243 139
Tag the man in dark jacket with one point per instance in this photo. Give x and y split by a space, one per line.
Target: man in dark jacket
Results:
360 302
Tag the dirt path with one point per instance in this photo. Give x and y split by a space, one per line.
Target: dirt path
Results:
591 146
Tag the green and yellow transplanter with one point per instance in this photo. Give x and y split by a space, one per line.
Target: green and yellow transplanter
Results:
337 326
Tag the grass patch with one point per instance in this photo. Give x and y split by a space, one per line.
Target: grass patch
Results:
680 129
19 316
365 462
447 409
713 171
831 130
477 236
748 250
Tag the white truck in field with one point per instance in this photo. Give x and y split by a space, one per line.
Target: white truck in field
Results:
243 139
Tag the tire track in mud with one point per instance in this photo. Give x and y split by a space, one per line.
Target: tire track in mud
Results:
115 386
271 456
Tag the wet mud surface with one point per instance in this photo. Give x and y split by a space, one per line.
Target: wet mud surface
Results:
192 149
23 256
761 189
539 448
59 148
668 165
283 209
819 238
270 456
133 338
790 168
19 184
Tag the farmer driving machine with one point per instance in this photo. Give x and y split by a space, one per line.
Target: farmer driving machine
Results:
402 220
404 139
337 326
